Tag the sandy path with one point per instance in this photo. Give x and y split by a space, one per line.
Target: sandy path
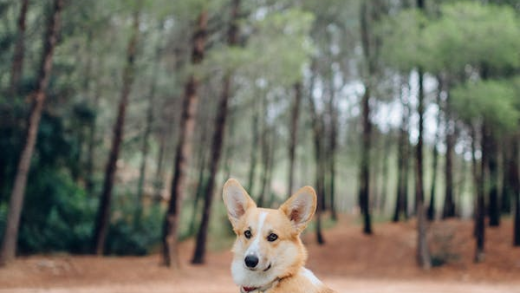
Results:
342 286
350 262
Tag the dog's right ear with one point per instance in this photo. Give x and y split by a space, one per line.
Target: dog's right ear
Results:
237 200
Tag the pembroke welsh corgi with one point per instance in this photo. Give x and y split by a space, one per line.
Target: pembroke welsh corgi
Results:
268 255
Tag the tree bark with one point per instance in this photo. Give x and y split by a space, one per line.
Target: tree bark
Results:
423 252
19 49
494 208
216 150
10 238
507 193
364 166
217 142
317 128
331 158
435 156
183 151
448 210
364 188
201 186
295 114
479 178
384 186
103 214
320 188
514 181
401 205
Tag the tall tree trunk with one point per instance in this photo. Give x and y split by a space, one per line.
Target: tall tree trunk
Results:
295 114
364 166
217 142
448 210
408 161
377 155
401 204
320 188
201 186
384 185
514 182
183 151
364 179
10 238
494 208
507 189
331 158
479 177
216 150
19 49
103 214
423 252
435 157
317 128
430 214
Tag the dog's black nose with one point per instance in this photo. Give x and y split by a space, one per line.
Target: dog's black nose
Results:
251 261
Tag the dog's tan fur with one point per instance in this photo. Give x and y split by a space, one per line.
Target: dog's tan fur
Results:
281 262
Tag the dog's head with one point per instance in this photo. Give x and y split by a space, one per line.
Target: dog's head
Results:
268 244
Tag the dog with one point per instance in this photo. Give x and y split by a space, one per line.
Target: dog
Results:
268 254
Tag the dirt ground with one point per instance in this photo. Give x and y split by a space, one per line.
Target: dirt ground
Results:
349 262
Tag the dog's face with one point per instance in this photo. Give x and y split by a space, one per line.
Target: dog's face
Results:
268 244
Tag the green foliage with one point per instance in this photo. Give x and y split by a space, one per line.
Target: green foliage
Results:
471 33
465 33
129 237
280 47
492 101
403 39
57 214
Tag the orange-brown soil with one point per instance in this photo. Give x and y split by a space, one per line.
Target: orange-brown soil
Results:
348 262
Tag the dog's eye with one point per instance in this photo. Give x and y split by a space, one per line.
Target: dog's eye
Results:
247 233
272 237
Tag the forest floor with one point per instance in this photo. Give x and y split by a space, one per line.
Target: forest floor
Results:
349 262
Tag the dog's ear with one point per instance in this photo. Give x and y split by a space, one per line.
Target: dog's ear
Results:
300 207
237 200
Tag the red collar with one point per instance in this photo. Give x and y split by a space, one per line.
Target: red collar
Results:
262 289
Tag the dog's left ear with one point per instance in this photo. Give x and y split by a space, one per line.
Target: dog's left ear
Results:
237 200
300 207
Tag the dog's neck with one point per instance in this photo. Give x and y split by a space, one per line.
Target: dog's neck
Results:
262 289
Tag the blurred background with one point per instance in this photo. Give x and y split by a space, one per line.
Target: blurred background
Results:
120 120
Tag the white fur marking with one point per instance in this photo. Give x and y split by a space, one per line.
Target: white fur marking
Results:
311 277
255 246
